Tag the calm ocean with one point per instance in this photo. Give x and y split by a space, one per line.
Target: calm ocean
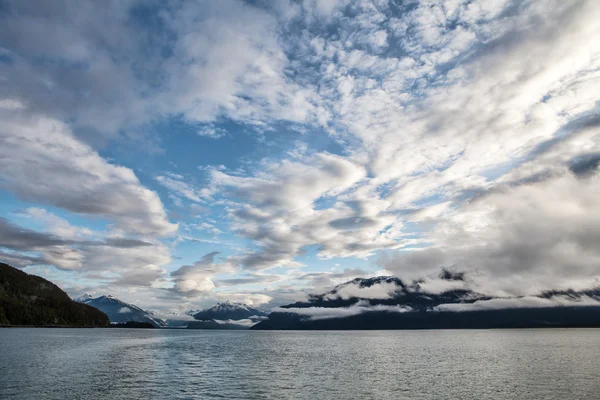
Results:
164 364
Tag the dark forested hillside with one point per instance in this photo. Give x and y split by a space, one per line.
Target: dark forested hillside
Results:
30 300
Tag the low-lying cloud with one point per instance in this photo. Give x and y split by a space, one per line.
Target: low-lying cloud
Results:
316 313
521 302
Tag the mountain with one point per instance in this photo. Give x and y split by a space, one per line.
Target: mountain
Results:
30 300
229 311
441 302
83 298
119 311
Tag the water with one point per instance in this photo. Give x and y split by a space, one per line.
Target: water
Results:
164 364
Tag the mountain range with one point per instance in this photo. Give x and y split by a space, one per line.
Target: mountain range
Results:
120 312
389 303
444 301
229 311
227 315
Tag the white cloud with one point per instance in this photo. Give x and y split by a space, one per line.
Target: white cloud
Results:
382 290
521 240
198 278
521 302
212 132
11 104
317 313
41 162
178 185
228 62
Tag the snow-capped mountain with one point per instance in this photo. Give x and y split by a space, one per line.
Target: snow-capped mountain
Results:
443 301
445 287
83 298
119 311
229 311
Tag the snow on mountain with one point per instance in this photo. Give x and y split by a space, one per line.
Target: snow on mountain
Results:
444 301
229 311
119 311
83 298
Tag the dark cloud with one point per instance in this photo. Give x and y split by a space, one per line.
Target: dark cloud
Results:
124 243
585 164
352 223
69 253
17 238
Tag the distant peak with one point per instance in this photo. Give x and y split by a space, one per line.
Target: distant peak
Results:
83 298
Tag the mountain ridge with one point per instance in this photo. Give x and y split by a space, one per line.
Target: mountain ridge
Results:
34 301
119 311
387 302
229 311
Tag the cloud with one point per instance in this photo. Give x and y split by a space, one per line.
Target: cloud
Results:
464 131
350 290
17 238
286 195
108 71
415 151
212 132
437 286
177 185
249 279
327 279
228 62
521 240
41 162
521 302
117 260
317 313
197 278
252 299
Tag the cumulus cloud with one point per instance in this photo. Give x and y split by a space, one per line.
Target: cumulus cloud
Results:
110 74
191 279
279 210
250 298
419 139
350 290
520 240
42 162
116 260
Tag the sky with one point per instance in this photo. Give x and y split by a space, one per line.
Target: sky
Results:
178 153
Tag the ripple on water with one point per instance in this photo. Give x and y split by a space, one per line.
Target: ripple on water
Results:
142 364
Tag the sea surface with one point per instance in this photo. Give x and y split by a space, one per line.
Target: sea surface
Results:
180 364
